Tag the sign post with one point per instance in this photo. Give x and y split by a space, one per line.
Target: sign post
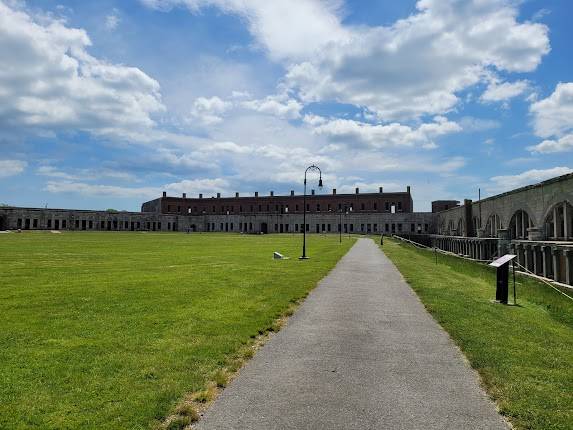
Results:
502 266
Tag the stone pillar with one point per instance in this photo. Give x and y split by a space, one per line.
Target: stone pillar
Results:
568 266
535 260
555 222
556 261
546 255
565 222
526 254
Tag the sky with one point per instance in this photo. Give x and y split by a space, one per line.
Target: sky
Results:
106 104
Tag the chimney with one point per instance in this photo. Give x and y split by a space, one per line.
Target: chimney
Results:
408 189
184 195
218 195
357 190
292 192
334 191
164 193
200 196
256 194
312 192
236 194
272 193
381 190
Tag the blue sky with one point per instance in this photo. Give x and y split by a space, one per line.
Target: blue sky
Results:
106 104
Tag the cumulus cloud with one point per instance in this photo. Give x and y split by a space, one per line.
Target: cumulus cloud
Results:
286 29
382 135
413 67
11 167
529 177
279 105
418 65
499 92
553 118
209 111
53 82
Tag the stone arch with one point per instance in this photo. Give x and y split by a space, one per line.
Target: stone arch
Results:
451 228
460 227
559 221
519 224
493 224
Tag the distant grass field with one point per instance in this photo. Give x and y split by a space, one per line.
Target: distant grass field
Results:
110 330
523 353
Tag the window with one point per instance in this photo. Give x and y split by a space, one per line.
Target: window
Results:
296 208
329 208
296 227
425 227
328 227
351 227
308 207
49 223
387 206
188 210
91 225
386 227
318 207
221 226
412 228
362 207
276 227
399 206
260 208
399 227
35 224
361 227
375 227
375 206
213 209
339 206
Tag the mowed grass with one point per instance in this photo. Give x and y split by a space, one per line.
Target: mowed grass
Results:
523 353
110 330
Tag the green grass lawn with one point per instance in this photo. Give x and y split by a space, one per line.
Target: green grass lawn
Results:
110 330
523 353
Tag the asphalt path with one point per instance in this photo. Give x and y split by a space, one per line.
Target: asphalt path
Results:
360 353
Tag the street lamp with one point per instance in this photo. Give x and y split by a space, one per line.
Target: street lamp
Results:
312 168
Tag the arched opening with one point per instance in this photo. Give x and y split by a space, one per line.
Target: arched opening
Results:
559 222
2 222
264 228
460 229
520 222
477 225
492 225
451 228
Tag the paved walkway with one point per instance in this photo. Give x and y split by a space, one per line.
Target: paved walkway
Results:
360 353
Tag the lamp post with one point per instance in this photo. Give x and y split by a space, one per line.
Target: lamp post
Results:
347 212
311 168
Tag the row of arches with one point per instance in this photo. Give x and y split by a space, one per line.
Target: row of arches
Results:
557 225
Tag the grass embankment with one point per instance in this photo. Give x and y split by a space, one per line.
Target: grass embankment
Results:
111 330
523 353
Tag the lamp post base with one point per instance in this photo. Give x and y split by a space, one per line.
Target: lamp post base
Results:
303 258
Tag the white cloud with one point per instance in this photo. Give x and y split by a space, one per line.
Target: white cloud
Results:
53 83
280 106
11 167
419 64
562 144
382 136
553 118
529 177
412 68
209 111
497 92
286 29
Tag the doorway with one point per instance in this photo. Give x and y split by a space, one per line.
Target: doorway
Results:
264 228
